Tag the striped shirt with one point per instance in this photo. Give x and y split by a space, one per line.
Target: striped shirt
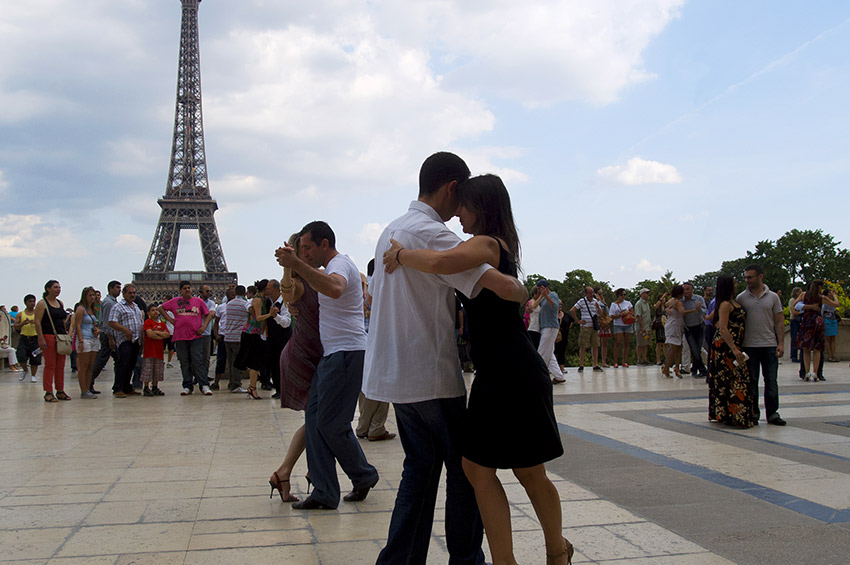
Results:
128 315
237 315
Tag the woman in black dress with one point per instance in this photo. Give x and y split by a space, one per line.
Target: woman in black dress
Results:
511 378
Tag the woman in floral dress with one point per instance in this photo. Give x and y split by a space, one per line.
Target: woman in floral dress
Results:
730 400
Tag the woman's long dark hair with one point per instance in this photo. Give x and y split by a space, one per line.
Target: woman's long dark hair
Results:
723 290
47 286
488 198
813 295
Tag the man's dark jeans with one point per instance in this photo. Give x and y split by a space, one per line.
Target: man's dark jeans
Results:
102 357
695 336
128 353
194 363
764 359
430 433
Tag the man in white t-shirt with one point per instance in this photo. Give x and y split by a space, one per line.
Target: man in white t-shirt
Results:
412 361
339 375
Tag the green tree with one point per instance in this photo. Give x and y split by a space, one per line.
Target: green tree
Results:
811 254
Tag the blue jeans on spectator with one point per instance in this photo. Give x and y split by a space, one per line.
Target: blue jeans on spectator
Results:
696 336
764 359
194 364
330 409
430 433
795 327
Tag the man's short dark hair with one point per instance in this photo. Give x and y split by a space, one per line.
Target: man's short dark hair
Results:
184 283
127 287
240 290
318 231
756 268
370 268
688 283
439 169
113 284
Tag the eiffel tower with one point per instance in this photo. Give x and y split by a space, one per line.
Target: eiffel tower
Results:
187 203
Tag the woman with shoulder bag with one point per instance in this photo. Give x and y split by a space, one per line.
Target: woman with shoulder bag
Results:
50 325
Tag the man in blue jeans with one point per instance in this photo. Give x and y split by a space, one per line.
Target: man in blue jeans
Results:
339 374
763 341
412 361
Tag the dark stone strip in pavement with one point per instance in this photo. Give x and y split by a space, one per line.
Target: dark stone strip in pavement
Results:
805 507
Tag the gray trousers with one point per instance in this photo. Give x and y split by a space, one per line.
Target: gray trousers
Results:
330 409
233 375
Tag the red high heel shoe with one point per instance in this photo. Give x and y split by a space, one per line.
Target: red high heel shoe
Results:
277 483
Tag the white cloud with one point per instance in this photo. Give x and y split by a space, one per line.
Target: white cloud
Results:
239 186
29 236
131 243
370 233
640 171
646 267
133 157
308 193
4 184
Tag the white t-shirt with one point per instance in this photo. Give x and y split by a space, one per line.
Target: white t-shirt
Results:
620 308
412 349
341 319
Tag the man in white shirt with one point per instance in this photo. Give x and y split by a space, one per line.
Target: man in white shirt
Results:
339 375
412 361
218 336
233 320
584 312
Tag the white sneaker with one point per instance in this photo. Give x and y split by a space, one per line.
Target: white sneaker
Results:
22 376
186 392
238 390
206 390
33 380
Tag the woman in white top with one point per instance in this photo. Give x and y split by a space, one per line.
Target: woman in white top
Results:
532 308
623 314
86 334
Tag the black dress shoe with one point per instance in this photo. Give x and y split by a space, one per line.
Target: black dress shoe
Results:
265 386
93 391
310 503
777 421
359 493
276 395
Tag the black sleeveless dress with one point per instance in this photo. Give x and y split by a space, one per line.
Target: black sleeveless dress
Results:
510 422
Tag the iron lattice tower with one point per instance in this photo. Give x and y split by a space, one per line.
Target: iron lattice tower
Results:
187 203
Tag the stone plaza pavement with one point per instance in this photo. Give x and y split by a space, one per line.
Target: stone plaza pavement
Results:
645 478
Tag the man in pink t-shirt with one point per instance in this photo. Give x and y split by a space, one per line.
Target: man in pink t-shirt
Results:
190 317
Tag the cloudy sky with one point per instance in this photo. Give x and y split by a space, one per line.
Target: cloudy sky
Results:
634 136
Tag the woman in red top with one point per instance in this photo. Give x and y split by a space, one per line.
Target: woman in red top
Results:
153 364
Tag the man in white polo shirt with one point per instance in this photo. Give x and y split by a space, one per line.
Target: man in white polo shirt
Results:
339 375
412 361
